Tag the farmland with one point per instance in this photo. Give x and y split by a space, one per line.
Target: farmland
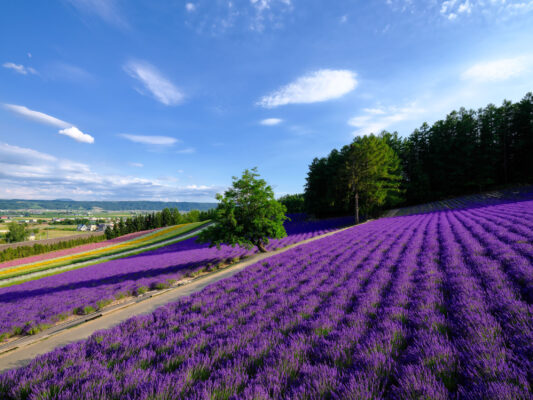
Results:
32 306
436 305
73 255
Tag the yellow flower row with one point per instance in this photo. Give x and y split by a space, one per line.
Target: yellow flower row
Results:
142 239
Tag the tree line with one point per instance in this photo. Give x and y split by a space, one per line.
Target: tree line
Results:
469 151
167 217
37 248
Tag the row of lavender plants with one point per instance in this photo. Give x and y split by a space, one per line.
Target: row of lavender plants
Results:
433 306
476 200
32 306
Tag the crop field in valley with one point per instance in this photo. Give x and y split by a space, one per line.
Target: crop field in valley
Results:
72 255
432 306
32 306
73 250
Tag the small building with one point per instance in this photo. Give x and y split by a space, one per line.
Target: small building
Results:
92 227
31 237
82 228
4 217
101 227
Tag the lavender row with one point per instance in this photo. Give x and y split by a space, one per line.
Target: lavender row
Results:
409 307
30 306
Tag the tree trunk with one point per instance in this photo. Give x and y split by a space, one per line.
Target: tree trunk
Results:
356 207
261 247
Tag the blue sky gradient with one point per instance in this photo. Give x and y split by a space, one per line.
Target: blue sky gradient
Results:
166 100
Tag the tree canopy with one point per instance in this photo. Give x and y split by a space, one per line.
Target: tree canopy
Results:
368 168
17 232
469 151
295 203
247 215
373 170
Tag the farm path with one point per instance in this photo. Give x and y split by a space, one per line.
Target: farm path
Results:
45 343
105 258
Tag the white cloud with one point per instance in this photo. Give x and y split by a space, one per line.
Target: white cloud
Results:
19 68
266 4
77 135
343 19
375 120
264 10
66 128
465 7
27 173
190 7
151 140
161 88
136 164
374 111
271 121
321 85
496 70
453 10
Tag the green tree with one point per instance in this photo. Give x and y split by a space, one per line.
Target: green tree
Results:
295 203
247 215
373 170
17 232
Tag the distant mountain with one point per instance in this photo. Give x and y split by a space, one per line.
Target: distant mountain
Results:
64 204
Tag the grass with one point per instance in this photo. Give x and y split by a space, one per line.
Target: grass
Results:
109 255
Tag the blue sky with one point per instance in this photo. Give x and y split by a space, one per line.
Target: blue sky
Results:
166 100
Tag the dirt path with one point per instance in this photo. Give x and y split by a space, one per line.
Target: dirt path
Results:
47 341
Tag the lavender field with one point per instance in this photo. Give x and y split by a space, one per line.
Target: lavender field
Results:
432 306
32 306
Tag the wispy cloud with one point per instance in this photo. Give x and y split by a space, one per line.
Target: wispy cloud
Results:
187 150
321 85
19 68
457 10
263 9
151 140
159 86
136 164
375 120
67 129
271 121
107 10
27 173
250 15
497 70
67 72
37 116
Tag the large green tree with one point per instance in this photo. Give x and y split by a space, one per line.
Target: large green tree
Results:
16 232
373 173
247 215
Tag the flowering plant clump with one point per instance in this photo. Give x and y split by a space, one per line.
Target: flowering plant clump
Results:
31 306
432 306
